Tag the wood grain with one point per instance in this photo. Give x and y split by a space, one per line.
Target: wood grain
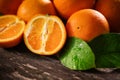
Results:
18 63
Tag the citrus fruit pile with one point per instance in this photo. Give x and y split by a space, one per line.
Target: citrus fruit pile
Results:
45 25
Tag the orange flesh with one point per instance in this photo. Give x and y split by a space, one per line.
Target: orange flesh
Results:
11 31
34 36
9 27
54 38
4 22
43 34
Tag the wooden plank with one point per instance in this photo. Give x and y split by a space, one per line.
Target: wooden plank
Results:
19 63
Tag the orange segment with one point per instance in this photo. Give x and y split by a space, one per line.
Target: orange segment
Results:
11 30
14 29
54 37
45 35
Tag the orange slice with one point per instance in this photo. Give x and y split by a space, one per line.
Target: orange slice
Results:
11 30
45 35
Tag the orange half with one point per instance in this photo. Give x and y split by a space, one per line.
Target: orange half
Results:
11 30
45 35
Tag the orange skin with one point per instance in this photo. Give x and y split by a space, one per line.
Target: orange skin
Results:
86 24
111 10
9 6
67 7
11 43
30 8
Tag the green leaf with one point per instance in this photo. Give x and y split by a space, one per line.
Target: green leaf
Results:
106 48
77 55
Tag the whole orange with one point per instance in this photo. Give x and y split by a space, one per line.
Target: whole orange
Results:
67 7
30 8
87 24
111 10
9 6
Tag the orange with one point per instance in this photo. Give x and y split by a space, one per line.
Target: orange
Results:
30 8
87 24
111 10
9 6
45 35
67 7
11 30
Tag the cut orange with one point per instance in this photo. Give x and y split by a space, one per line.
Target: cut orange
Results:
45 35
11 30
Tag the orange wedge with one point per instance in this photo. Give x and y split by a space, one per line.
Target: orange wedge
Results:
45 35
11 30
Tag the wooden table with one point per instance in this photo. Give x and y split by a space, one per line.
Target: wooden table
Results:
18 63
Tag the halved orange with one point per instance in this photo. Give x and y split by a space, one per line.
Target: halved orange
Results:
11 30
45 34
